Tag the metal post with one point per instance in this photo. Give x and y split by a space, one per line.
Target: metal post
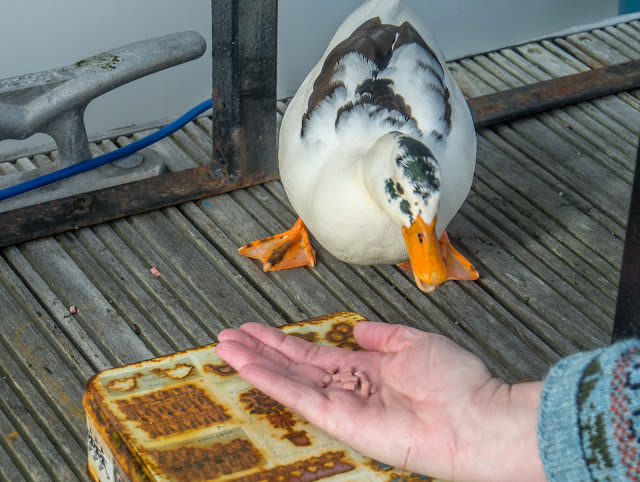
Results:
244 86
627 320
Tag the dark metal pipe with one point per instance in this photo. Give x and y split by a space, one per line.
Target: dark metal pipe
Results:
627 319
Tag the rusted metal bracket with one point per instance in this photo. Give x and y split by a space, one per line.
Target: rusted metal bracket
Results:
554 94
256 163
627 319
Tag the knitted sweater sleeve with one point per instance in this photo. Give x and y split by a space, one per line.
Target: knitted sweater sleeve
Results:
589 416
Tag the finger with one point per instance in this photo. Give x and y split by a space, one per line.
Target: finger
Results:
385 337
239 355
306 400
231 334
298 350
257 345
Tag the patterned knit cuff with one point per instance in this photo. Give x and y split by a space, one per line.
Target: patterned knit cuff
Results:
609 407
559 438
589 414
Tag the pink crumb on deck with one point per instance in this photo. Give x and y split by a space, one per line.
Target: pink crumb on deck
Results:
154 271
73 310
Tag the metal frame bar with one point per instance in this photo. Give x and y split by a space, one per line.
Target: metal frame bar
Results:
554 94
627 318
245 56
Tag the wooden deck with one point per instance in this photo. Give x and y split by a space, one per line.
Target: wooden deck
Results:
544 224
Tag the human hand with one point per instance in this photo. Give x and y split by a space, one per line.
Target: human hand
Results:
436 407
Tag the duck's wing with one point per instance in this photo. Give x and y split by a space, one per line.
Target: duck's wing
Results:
387 73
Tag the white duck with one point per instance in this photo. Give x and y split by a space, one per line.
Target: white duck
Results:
377 151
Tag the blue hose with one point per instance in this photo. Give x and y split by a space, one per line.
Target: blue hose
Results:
89 164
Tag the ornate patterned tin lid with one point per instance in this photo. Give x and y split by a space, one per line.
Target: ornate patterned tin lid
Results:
189 416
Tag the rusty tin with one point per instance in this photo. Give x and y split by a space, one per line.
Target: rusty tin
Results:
189 416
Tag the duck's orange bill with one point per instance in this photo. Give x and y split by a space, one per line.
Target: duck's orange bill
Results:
434 261
290 249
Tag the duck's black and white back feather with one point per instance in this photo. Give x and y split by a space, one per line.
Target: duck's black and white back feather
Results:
382 68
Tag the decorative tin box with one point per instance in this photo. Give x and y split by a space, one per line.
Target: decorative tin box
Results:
190 417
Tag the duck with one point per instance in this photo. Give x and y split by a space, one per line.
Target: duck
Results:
377 152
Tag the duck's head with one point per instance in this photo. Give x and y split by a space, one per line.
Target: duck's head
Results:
405 181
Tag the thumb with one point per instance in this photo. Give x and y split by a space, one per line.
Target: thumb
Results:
385 337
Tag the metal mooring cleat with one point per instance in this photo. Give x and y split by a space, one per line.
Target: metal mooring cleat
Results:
53 102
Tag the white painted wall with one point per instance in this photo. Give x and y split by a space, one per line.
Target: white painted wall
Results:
36 35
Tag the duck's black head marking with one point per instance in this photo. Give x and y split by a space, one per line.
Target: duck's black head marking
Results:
419 166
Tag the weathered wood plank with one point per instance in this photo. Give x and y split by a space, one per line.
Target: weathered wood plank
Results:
206 124
243 289
174 159
501 248
625 31
618 108
198 216
551 64
133 264
8 470
566 169
488 63
97 317
25 347
549 233
526 232
524 64
532 290
41 393
613 123
578 53
595 48
617 44
20 453
108 277
497 83
470 84
581 130
39 444
180 258
253 222
55 326
200 136
194 150
551 204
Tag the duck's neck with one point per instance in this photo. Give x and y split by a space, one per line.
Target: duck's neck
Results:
401 177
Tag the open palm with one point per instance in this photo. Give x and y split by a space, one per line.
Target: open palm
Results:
434 401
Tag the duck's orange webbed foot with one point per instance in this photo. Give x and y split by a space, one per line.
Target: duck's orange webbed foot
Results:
458 267
290 249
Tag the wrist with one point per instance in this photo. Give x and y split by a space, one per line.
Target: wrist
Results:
502 440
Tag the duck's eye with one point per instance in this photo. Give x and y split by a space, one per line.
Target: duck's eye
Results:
399 188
